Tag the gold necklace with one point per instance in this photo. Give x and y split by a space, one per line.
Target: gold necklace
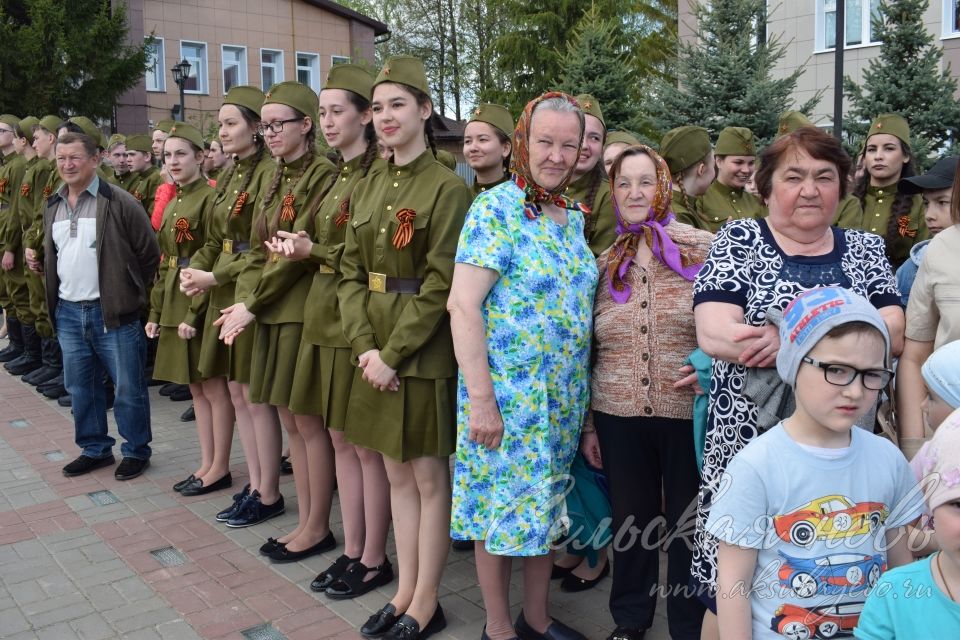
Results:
943 577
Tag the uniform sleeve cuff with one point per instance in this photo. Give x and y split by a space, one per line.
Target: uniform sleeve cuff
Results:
190 319
153 317
253 304
391 358
364 343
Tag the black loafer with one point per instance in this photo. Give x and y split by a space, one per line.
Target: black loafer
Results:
407 628
380 622
181 394
180 485
353 585
65 401
332 573
573 583
556 631
252 511
286 467
198 488
271 545
282 554
189 415
625 633
130 468
168 388
86 464
561 572
230 511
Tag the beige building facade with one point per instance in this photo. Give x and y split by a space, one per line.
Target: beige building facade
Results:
236 42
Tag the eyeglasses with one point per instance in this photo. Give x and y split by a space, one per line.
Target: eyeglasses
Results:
276 126
843 375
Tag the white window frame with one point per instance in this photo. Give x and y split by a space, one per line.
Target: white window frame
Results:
277 67
314 69
820 24
161 72
335 60
950 7
242 64
199 67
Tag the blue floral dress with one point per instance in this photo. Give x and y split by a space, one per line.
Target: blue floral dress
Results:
539 320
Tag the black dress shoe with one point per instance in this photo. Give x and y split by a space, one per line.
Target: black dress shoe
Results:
462 545
556 631
353 585
189 415
271 545
561 572
408 628
64 400
286 467
572 583
181 394
130 468
283 554
55 389
326 577
55 381
380 622
86 464
625 633
180 485
23 365
41 375
168 388
10 353
252 511
198 488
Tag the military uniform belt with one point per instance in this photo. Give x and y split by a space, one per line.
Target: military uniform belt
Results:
382 283
235 246
173 262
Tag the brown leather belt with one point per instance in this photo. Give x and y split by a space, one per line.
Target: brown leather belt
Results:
382 283
235 246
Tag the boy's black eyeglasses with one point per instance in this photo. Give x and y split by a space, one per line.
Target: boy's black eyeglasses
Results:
276 126
843 375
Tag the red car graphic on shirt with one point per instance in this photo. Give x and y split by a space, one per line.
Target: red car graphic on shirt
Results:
828 518
829 621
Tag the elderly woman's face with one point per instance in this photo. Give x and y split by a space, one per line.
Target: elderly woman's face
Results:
635 187
804 192
884 158
554 146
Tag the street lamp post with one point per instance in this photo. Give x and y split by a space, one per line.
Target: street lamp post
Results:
181 72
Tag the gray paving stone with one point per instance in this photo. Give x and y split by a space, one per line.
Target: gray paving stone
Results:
92 627
62 614
12 621
177 630
133 589
126 610
145 620
57 631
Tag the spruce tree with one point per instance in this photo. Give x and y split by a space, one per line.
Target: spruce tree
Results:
725 74
906 78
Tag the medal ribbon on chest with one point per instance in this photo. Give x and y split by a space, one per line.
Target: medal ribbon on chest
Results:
3 186
136 194
404 233
25 190
287 212
903 227
238 205
182 225
343 213
47 190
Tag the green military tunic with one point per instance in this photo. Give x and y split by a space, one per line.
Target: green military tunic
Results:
411 330
877 208
479 187
182 233
29 207
143 186
324 373
16 297
223 254
600 226
276 297
849 213
685 207
33 239
721 202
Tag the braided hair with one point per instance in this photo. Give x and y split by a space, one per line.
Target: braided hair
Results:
596 179
902 202
266 230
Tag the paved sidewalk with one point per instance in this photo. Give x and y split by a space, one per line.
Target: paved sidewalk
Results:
79 556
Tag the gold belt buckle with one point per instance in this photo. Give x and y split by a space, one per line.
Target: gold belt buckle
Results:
274 257
172 262
377 282
227 245
325 269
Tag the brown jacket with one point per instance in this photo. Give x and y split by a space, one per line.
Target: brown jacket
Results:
127 255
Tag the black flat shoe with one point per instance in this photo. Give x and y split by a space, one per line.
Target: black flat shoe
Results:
181 394
86 464
286 467
353 585
130 468
573 584
231 511
462 545
625 633
561 572
325 578
180 485
283 554
252 511
380 622
271 545
556 631
199 489
189 415
407 628
168 388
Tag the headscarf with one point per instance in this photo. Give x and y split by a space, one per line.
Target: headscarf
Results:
534 194
624 249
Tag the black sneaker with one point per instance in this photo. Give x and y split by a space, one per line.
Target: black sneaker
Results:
252 511
86 464
130 468
231 511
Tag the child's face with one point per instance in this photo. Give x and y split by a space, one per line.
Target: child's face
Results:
946 523
935 410
831 407
936 209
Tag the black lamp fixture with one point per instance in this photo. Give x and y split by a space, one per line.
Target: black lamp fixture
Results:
181 72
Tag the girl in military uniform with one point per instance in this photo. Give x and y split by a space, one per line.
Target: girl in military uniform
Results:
405 218
726 198
616 142
590 186
487 146
273 292
690 159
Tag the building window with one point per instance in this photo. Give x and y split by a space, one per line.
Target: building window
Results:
196 54
154 76
234 66
335 60
308 70
951 17
271 68
858 27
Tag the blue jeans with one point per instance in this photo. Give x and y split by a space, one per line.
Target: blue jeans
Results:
89 349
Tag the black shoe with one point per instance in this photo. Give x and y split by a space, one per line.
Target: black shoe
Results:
271 545
380 622
286 467
198 488
556 631
181 394
189 415
41 375
282 554
10 353
325 578
153 382
64 400
23 364
625 633
180 485
573 584
462 545
561 572
56 381
230 511
252 511
86 464
353 585
168 388
407 628
130 468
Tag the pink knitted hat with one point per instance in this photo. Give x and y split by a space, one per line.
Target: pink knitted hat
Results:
941 463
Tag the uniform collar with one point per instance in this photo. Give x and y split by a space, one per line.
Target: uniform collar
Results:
192 187
299 162
889 190
480 187
420 163
727 191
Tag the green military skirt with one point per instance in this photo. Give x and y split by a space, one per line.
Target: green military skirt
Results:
275 348
177 359
216 358
416 421
321 384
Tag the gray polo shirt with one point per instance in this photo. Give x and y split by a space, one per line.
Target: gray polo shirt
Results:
74 234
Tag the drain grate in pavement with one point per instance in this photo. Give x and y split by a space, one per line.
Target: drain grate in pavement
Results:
54 456
169 557
103 498
19 424
263 632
